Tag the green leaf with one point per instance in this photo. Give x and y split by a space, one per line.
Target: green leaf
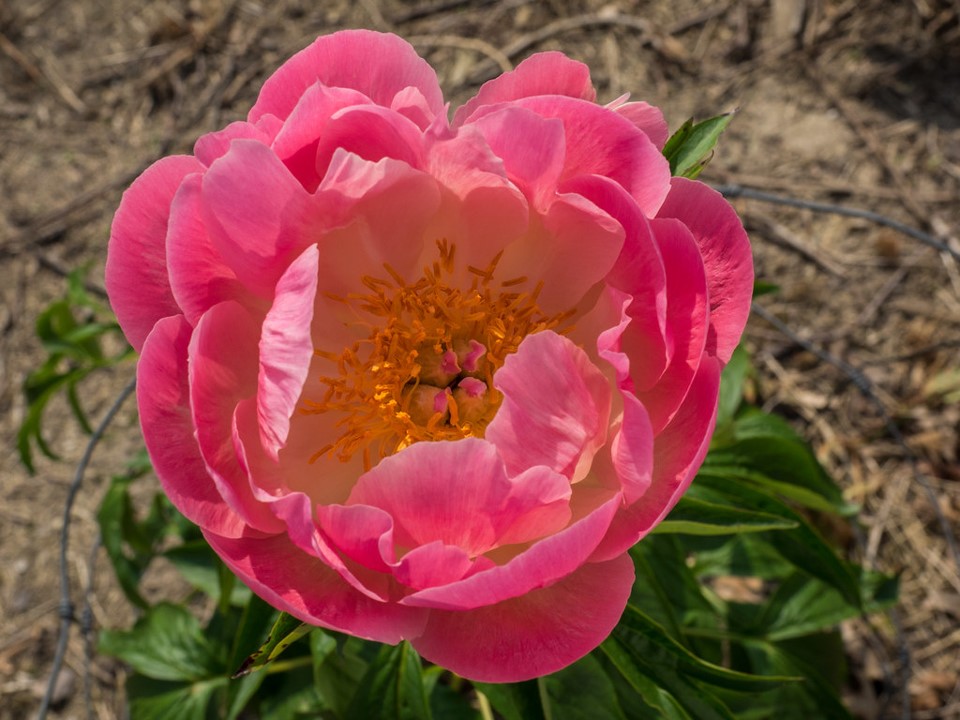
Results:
201 567
689 149
338 669
762 287
167 643
582 691
152 699
285 631
515 701
699 517
731 385
393 687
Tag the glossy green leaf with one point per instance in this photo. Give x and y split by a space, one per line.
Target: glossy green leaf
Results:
731 385
700 517
338 669
152 699
201 567
167 643
582 691
393 687
515 701
690 148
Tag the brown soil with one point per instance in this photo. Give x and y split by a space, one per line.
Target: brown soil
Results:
840 100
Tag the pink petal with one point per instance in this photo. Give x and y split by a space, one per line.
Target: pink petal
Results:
632 449
136 271
257 214
725 249
163 399
412 104
687 322
304 586
378 65
296 143
648 118
223 370
213 145
286 349
639 272
433 564
555 408
534 634
372 133
678 453
547 73
362 532
199 278
601 142
532 149
542 564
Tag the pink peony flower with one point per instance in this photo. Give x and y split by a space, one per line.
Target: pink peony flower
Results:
430 380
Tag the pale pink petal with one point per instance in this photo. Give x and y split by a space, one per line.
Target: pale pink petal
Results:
136 271
687 321
547 73
535 634
198 276
163 399
362 532
678 453
543 563
286 349
601 142
532 149
433 564
632 449
215 144
412 104
296 143
223 370
377 64
259 217
725 249
648 118
304 586
555 408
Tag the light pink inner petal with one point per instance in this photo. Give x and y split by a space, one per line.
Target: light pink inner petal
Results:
259 216
222 371
163 399
373 133
433 564
362 532
307 588
199 278
215 144
534 634
286 349
555 408
412 104
379 65
546 73
678 453
136 271
725 249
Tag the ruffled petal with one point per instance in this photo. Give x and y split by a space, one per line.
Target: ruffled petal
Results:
725 249
304 586
199 278
136 271
679 452
555 408
377 64
223 370
546 73
259 217
648 118
535 634
286 349
168 431
372 133
215 144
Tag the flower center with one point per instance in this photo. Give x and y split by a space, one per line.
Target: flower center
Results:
425 372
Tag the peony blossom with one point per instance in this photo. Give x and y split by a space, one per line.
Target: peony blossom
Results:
430 379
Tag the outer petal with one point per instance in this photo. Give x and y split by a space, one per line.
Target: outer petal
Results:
547 73
305 587
534 634
213 145
377 64
679 452
286 349
648 118
726 255
555 409
163 398
199 277
136 272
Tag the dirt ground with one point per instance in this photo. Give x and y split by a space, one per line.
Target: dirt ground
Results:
839 101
